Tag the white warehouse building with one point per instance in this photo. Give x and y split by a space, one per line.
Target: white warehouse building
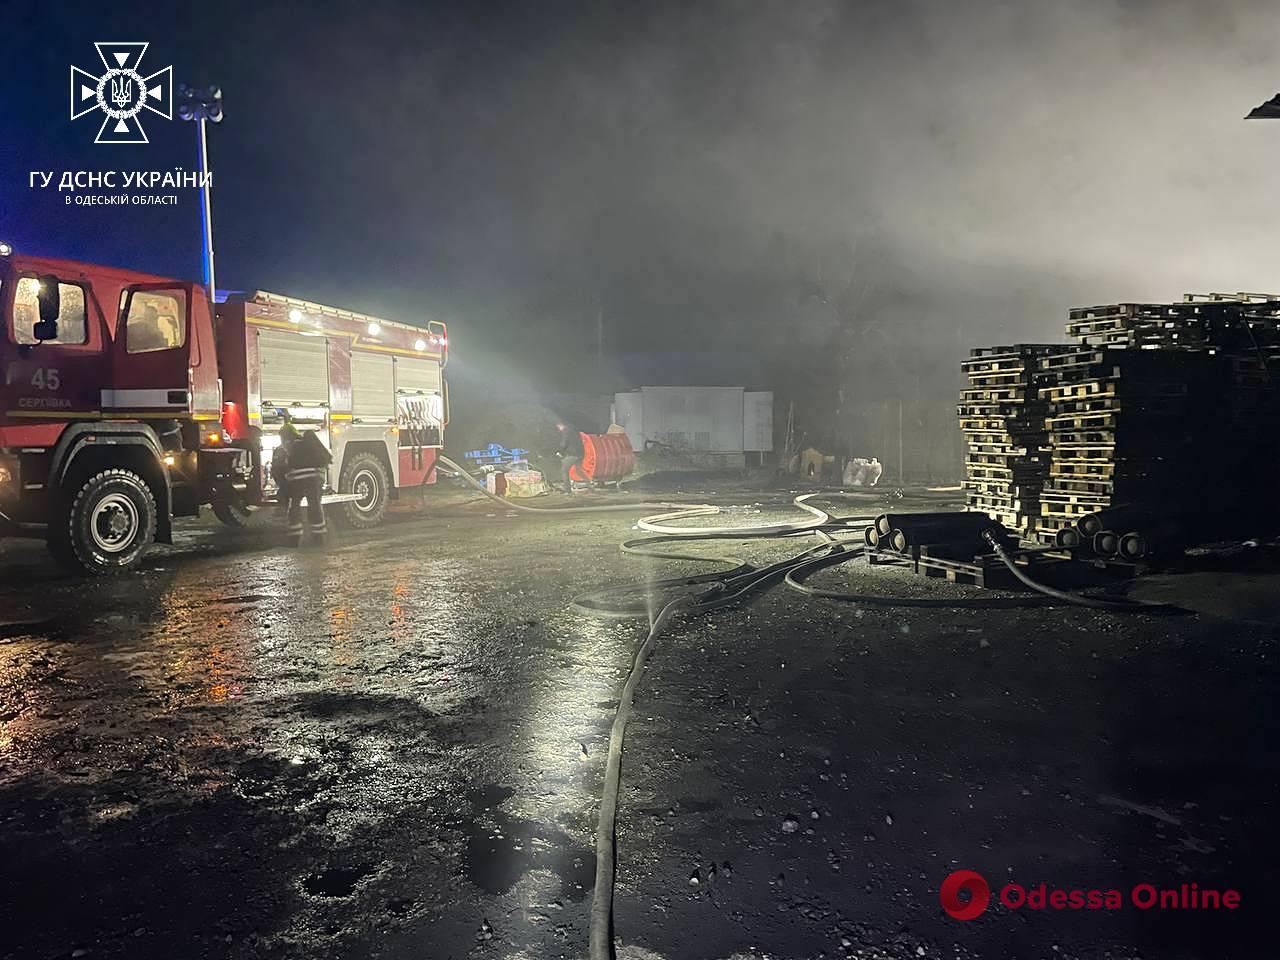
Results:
718 426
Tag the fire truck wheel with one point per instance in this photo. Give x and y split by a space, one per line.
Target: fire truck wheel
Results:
365 475
111 520
230 508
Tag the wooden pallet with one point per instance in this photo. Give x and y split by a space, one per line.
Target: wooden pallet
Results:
1080 356
982 574
1071 511
1015 396
1095 486
1092 420
1109 310
1083 451
996 448
1019 350
1011 425
1007 490
998 379
996 503
984 570
994 458
1101 387
1082 468
992 409
1006 363
1138 406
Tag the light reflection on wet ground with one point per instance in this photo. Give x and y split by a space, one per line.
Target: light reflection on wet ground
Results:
393 749
361 702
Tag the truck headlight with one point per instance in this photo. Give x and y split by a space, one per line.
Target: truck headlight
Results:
8 472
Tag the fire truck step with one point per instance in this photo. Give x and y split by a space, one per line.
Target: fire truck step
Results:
331 498
327 500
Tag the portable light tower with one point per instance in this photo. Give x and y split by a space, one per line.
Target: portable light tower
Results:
203 105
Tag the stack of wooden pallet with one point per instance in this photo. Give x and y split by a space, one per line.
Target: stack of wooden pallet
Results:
1172 406
1247 447
1002 416
1125 426
1241 325
1189 325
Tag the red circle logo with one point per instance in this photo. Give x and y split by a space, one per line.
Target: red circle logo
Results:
965 881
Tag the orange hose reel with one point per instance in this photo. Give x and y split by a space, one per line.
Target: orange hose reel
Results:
606 457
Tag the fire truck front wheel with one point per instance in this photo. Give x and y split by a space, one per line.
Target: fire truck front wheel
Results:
365 475
109 523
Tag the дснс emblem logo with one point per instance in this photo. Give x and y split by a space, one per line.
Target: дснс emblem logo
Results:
121 92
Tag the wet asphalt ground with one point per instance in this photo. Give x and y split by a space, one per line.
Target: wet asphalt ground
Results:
393 748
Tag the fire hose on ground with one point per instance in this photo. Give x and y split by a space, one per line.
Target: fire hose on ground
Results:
730 586
462 474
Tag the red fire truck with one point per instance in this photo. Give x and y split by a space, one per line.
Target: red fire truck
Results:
128 400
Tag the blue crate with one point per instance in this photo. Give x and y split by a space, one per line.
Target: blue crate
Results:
497 455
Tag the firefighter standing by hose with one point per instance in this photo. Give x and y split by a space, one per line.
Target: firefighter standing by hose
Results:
570 452
306 461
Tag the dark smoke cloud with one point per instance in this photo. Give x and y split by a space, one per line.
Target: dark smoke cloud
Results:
730 173
997 162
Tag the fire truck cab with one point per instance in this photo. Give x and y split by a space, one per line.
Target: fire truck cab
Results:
126 402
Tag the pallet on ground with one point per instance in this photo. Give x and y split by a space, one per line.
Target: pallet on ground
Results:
984 570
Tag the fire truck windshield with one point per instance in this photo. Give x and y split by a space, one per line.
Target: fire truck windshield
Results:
72 327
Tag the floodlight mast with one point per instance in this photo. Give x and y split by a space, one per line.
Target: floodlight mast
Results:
203 106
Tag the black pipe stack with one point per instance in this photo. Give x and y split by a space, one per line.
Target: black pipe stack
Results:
961 532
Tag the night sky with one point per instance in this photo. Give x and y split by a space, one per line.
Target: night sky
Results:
711 176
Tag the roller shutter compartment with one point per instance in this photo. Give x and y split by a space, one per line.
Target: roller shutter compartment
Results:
373 394
417 376
295 369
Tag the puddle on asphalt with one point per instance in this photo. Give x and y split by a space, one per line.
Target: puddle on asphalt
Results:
401 906
699 806
241 600
501 848
28 629
335 883
327 705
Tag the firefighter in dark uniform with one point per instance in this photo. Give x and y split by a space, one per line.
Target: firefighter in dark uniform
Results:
307 461
280 463
570 452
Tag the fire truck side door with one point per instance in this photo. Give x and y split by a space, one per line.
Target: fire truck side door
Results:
51 379
153 353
